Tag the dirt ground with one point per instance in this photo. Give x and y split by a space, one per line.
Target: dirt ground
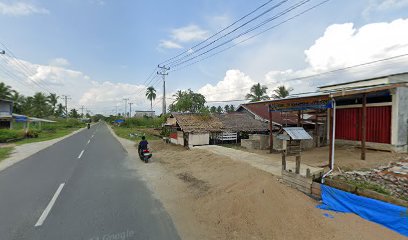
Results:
346 157
212 197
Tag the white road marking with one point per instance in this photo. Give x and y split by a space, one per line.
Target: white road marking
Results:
49 206
88 141
92 136
80 155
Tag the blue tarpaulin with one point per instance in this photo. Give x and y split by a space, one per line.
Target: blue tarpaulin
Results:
119 121
387 214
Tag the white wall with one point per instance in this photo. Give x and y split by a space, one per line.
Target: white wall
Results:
195 139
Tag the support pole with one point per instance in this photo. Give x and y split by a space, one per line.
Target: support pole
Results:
297 169
363 128
330 111
270 130
317 134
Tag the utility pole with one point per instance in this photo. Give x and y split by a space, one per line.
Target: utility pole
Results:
130 109
163 72
66 98
126 99
82 110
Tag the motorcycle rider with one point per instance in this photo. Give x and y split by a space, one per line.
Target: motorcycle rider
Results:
142 145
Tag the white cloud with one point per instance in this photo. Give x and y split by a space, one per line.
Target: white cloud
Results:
101 97
169 44
384 5
234 86
59 62
20 9
342 45
181 35
189 33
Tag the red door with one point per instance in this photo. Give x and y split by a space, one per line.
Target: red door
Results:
378 124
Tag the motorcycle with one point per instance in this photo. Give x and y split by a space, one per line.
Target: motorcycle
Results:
145 155
88 125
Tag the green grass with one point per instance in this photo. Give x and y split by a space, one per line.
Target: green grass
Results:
370 186
5 152
124 132
47 135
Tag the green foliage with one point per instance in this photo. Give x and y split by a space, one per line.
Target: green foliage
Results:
150 122
9 134
151 95
281 92
257 93
368 185
5 152
187 101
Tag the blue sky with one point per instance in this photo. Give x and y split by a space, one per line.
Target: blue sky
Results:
98 51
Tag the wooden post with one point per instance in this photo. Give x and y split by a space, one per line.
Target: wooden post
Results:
270 130
308 172
330 111
363 128
299 118
317 130
297 170
284 160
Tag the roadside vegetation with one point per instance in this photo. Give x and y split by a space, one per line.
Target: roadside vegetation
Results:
135 128
47 131
5 152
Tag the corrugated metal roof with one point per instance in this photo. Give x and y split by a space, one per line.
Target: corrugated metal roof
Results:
297 133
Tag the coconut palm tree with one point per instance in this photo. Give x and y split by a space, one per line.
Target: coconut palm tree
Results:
18 101
40 105
5 91
52 99
258 93
151 95
281 92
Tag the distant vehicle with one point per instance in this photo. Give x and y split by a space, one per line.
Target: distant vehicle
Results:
88 125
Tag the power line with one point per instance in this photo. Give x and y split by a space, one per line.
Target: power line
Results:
251 37
172 63
23 68
215 34
288 10
323 73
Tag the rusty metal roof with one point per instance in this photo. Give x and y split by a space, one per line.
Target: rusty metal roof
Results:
297 133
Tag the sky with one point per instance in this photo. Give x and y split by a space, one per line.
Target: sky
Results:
99 52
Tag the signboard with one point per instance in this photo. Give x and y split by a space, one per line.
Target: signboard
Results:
297 106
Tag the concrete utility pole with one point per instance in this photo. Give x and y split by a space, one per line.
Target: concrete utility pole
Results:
130 109
163 72
82 110
126 99
66 98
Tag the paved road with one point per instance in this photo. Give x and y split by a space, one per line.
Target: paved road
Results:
64 193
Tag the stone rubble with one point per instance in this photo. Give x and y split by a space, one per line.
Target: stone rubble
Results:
393 177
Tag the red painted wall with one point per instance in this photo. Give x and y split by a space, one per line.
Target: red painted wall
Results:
348 124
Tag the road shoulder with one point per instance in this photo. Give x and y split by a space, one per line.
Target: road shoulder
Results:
24 151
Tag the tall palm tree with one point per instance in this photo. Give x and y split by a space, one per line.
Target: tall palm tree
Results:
258 93
281 92
5 91
52 99
40 105
18 101
151 95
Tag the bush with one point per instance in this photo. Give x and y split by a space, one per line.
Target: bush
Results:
151 122
9 134
32 133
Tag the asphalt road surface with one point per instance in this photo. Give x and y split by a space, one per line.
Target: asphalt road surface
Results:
80 188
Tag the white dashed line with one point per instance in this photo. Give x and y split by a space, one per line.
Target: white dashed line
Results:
89 141
49 206
80 155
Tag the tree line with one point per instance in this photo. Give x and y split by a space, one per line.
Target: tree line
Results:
38 105
189 101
